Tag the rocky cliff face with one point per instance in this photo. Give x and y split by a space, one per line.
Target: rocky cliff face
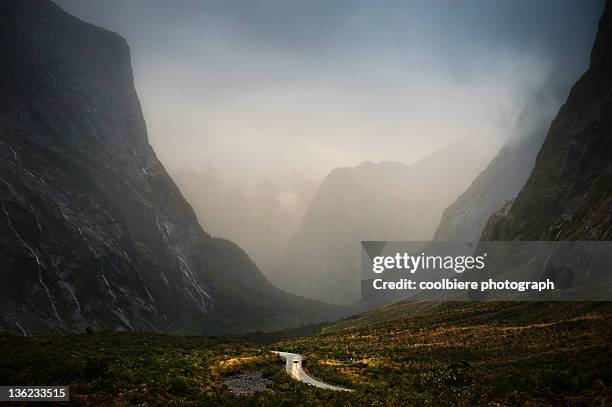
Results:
506 174
93 231
384 201
568 195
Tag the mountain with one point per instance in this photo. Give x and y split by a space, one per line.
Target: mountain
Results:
503 178
272 207
568 195
501 181
93 231
384 201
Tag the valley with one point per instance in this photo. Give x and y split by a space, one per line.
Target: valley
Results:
425 354
111 285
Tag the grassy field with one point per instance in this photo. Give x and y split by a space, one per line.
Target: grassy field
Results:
469 354
485 354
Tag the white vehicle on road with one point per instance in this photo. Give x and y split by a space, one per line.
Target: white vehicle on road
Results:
294 369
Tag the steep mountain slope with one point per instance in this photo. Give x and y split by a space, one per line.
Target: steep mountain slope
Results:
568 195
93 231
506 174
385 201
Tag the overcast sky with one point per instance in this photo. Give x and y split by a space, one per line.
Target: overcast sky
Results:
259 87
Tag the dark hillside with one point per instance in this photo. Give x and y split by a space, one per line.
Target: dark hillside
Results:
93 231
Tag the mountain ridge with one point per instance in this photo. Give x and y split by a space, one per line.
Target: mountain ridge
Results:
94 232
567 196
504 176
371 201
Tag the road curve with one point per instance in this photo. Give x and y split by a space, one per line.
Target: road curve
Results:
294 369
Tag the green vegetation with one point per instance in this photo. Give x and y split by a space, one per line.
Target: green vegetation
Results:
118 368
465 354
468 354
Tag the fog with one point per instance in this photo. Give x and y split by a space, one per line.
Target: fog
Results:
250 104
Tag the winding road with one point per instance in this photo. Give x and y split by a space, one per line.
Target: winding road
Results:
294 369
